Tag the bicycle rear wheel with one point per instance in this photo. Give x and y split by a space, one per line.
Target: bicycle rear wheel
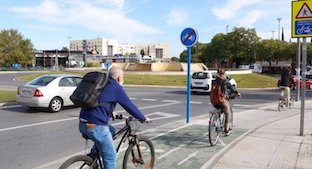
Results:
214 129
140 155
79 162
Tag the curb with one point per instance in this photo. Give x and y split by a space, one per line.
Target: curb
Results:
3 104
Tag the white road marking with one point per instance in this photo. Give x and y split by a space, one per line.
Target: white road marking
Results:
221 142
171 101
153 100
171 151
75 118
195 102
131 98
242 105
164 116
8 107
162 134
37 124
159 151
188 157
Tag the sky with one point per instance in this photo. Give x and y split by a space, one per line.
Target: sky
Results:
50 24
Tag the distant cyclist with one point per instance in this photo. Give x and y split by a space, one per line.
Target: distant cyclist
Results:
220 98
284 83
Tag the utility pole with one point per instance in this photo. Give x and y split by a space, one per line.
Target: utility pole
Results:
43 59
69 58
279 25
227 29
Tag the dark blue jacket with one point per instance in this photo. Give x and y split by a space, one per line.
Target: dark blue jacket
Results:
112 93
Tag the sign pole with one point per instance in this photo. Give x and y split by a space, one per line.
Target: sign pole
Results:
298 69
189 38
189 57
303 84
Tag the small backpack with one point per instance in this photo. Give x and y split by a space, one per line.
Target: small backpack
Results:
216 95
89 89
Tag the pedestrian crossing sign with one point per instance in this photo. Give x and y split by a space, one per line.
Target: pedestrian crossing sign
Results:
301 24
305 12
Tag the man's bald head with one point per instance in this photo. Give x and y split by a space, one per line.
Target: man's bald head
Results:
117 74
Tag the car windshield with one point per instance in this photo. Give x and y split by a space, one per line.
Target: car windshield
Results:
42 81
200 75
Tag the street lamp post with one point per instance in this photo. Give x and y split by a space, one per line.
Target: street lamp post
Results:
279 25
69 51
273 35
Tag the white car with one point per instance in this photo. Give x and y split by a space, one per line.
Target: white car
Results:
48 91
202 81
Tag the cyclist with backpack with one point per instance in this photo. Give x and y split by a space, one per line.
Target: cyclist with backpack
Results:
222 91
94 121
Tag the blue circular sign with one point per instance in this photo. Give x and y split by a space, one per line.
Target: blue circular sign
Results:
189 37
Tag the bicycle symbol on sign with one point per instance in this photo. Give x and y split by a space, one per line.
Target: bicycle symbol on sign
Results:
304 30
192 37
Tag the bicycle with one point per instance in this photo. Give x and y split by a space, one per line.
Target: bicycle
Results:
282 104
216 124
134 156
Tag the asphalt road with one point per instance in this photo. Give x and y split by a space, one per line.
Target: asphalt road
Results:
30 139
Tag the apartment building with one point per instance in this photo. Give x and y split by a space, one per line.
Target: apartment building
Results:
156 51
99 46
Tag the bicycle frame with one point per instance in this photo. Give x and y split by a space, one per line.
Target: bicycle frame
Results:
126 132
219 113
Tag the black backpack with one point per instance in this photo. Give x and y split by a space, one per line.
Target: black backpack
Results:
89 89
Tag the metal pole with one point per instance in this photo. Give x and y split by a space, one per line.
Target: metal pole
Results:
56 60
298 69
69 52
279 24
188 85
303 84
44 59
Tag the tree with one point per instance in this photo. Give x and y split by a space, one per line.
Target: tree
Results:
14 48
270 50
242 44
197 51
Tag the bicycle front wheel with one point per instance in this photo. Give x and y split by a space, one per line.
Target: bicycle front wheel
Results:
141 155
213 129
78 162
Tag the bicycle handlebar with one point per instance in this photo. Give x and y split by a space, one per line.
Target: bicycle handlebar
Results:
128 118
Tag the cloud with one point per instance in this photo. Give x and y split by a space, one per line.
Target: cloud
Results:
178 17
251 18
106 16
46 28
232 8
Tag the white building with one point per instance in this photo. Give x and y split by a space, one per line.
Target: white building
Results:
100 46
154 51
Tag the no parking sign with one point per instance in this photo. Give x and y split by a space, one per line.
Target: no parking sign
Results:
189 38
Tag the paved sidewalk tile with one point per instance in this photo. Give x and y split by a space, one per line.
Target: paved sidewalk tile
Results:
276 145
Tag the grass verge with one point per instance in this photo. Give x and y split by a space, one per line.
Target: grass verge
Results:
255 81
7 96
242 80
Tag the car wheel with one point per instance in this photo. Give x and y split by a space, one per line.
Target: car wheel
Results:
56 104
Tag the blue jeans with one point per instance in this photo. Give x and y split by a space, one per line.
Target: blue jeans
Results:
102 137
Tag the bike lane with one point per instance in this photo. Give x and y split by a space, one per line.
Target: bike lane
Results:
179 145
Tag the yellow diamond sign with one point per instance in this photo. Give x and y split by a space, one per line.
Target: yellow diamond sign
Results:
301 19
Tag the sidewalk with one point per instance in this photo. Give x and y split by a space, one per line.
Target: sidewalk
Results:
276 144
